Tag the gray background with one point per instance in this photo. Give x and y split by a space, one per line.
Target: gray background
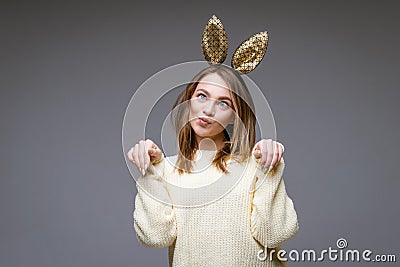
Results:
68 71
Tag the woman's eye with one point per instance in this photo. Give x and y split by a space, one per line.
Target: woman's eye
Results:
223 104
202 97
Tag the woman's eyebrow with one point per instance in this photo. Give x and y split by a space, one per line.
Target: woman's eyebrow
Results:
220 98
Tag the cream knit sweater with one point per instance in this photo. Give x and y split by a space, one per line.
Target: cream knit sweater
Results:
230 231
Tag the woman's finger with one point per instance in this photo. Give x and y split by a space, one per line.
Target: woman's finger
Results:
148 153
130 155
264 150
136 156
269 153
275 154
141 155
156 153
280 152
257 151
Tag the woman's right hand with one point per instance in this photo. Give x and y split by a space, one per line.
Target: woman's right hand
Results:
144 153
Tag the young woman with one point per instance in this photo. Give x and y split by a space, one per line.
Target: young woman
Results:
215 126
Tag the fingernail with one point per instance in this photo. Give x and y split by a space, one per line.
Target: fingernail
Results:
145 166
143 172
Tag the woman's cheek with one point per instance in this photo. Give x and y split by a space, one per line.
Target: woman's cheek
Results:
224 118
195 107
193 111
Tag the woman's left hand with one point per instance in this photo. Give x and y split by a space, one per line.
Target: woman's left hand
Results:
270 153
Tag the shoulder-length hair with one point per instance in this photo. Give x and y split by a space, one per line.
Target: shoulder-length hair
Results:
239 137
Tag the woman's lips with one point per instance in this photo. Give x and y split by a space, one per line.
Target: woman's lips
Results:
204 121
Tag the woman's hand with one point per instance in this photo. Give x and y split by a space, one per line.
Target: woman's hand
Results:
144 153
270 153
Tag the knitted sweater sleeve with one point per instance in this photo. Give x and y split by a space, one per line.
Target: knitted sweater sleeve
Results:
154 216
273 217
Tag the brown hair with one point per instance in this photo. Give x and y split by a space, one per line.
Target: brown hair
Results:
238 142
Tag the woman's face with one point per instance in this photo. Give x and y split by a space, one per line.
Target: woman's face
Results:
211 108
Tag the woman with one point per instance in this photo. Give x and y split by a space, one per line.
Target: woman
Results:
215 125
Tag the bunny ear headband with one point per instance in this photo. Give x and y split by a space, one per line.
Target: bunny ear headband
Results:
246 57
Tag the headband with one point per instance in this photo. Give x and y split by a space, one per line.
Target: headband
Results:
246 57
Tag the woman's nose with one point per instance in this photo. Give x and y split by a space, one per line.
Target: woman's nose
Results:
209 107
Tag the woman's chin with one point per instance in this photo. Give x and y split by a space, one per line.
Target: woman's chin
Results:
203 134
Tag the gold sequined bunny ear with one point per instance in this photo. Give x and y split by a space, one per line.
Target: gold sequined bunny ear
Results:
214 42
250 53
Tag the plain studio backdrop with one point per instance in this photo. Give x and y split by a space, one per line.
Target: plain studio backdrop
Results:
69 69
